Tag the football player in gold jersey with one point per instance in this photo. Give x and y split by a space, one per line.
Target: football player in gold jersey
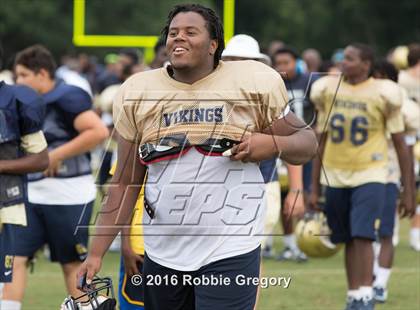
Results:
411 115
410 80
190 101
355 113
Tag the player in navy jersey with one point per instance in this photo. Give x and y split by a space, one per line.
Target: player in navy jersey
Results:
298 87
61 198
23 149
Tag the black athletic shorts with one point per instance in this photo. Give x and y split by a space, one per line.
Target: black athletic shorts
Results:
225 284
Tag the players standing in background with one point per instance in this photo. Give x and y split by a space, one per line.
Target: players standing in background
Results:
354 151
410 80
244 47
62 197
298 88
298 84
313 60
5 75
160 55
273 46
110 75
411 115
23 150
68 72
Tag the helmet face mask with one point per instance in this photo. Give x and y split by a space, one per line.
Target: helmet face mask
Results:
313 236
99 296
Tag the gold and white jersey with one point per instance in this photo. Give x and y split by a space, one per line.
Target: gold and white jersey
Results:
411 115
357 118
206 208
236 99
410 84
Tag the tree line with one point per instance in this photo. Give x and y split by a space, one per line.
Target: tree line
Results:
321 24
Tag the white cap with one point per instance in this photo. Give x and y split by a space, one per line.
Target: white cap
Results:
244 46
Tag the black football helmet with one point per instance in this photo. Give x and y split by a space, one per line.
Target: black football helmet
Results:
99 296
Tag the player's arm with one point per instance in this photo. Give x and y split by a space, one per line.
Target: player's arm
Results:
130 257
35 158
283 134
316 171
411 115
295 177
26 164
413 181
117 210
394 97
407 205
294 141
31 111
318 98
293 203
288 137
91 133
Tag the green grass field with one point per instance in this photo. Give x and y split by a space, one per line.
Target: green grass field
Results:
318 284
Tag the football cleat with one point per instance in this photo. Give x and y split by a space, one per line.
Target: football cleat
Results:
380 294
415 239
415 246
267 252
292 255
351 304
312 234
365 304
99 296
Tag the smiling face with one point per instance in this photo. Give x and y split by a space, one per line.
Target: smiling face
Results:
188 44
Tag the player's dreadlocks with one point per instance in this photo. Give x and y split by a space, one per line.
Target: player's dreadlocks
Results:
213 24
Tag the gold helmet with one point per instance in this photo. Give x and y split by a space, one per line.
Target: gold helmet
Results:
399 57
313 236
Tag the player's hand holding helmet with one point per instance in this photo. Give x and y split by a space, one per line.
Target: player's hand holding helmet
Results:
313 236
89 268
99 296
